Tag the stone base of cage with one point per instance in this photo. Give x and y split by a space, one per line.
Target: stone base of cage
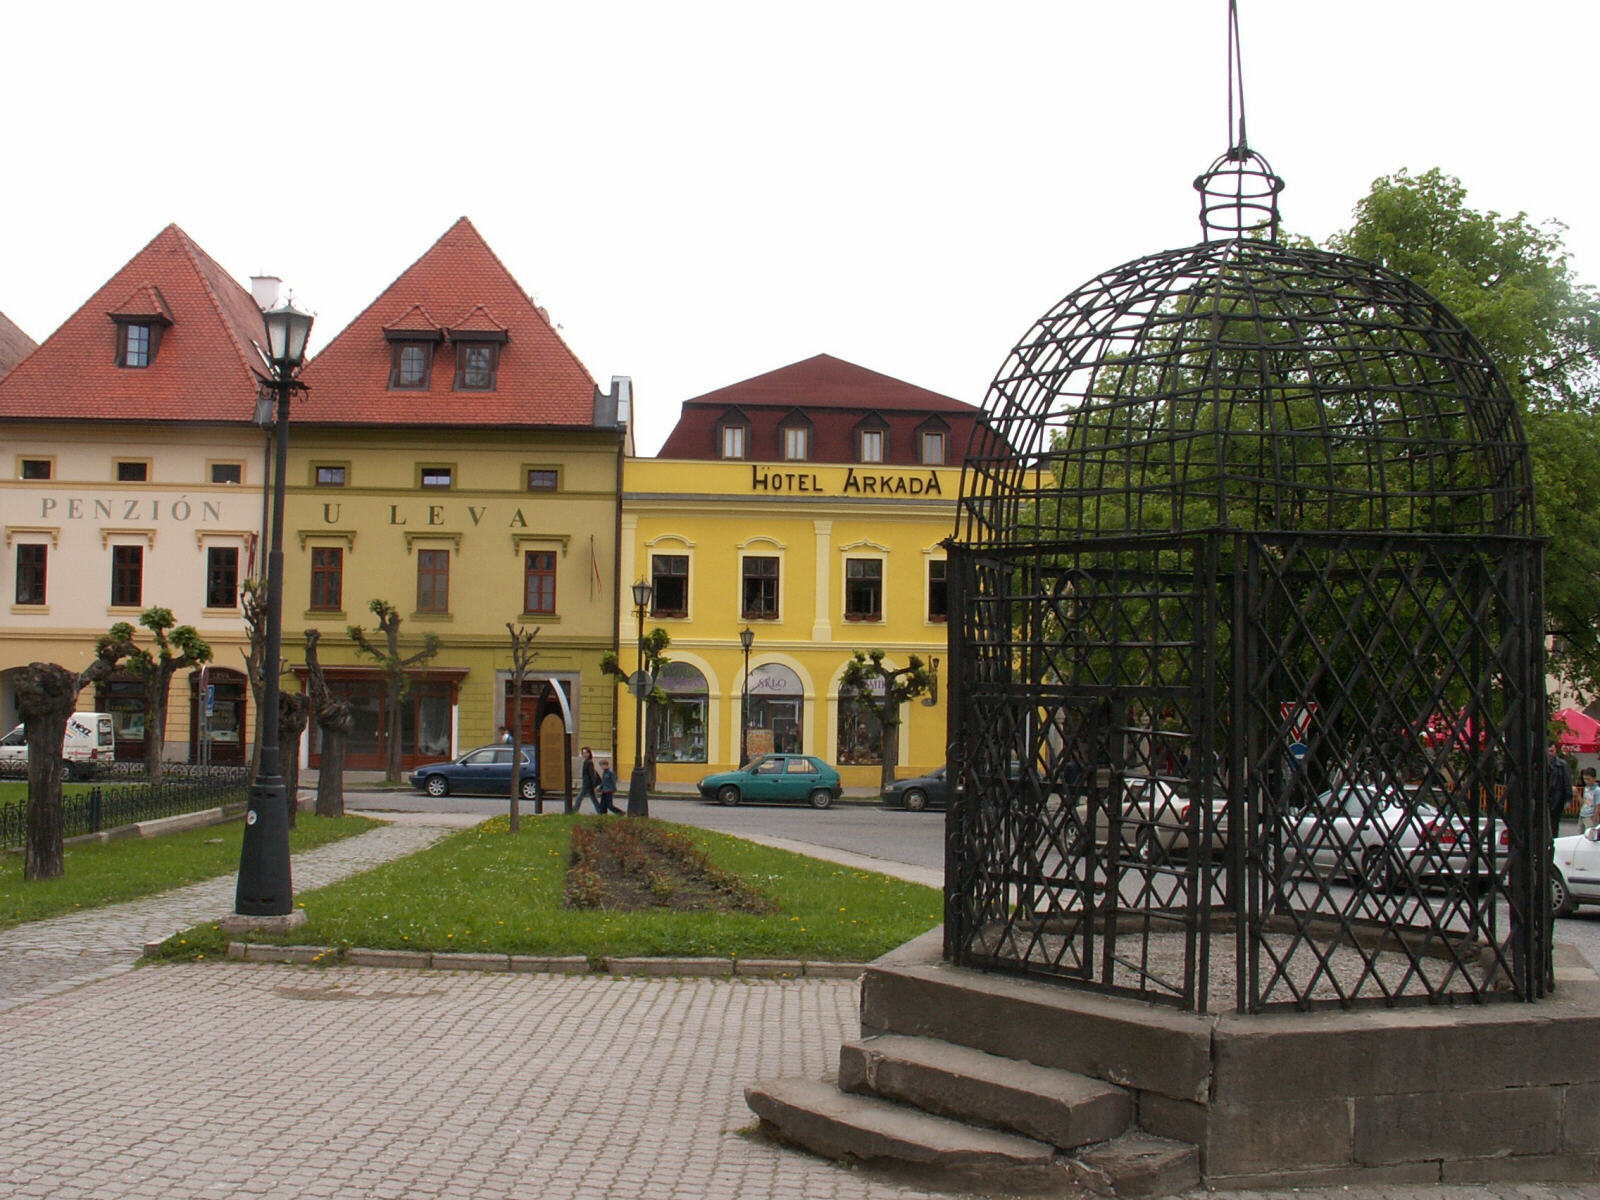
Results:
1473 1092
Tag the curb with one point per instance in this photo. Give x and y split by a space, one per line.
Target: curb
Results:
577 964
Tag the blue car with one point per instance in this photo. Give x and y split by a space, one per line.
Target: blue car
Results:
485 771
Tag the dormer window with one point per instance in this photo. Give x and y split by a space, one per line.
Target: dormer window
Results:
413 363
139 321
933 443
794 437
872 439
733 435
475 366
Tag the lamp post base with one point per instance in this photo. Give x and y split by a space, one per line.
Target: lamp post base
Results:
639 793
265 888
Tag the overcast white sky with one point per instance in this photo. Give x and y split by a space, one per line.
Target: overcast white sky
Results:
702 192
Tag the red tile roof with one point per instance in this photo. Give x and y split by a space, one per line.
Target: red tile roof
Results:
539 381
835 396
202 368
14 345
415 319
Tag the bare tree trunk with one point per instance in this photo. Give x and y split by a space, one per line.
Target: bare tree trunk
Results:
294 712
46 695
522 656
334 719
155 725
890 751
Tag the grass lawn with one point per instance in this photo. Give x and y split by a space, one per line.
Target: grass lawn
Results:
105 873
484 890
15 791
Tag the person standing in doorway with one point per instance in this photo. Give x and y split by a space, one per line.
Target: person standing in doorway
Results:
608 790
589 781
1559 780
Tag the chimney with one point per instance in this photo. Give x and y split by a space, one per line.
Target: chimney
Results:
266 290
611 408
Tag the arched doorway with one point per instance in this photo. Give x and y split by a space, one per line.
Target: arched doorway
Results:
681 728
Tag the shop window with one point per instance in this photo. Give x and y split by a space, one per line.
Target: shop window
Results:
775 709
433 581
860 731
669 577
32 560
127 576
539 581
863 589
680 726
327 578
938 590
222 577
759 593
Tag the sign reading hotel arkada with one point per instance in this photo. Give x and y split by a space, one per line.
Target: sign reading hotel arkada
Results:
853 482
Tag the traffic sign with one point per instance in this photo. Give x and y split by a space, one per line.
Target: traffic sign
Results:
639 684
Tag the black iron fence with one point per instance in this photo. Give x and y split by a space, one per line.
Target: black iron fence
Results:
183 789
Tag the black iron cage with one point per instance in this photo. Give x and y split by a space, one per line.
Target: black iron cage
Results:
1245 616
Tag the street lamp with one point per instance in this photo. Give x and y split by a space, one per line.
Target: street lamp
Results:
747 637
265 889
639 784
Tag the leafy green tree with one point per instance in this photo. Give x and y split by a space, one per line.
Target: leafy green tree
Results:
1511 281
394 664
177 648
899 684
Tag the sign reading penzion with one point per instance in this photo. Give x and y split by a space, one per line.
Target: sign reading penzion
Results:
858 483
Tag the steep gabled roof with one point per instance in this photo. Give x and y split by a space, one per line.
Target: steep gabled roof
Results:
14 345
538 381
835 396
203 366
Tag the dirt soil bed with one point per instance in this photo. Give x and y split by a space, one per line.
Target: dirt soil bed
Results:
639 864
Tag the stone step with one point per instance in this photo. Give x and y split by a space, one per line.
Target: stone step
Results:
1137 1164
946 1154
1062 1108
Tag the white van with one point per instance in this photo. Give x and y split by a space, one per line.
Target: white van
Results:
90 744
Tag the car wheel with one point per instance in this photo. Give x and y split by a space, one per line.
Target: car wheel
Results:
1375 870
916 800
820 798
1147 845
529 789
437 785
1561 904
728 795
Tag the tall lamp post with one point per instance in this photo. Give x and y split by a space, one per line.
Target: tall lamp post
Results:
264 887
639 784
747 637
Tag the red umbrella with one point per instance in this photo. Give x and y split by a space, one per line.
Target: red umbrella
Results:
1582 732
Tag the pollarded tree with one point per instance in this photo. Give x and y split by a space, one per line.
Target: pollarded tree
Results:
294 714
522 656
863 674
394 665
335 720
177 648
46 695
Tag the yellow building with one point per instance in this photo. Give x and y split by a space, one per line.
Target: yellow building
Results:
807 505
454 458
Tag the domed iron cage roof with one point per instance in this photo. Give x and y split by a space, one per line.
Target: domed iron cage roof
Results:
1247 687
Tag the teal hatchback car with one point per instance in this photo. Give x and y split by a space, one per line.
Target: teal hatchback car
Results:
775 777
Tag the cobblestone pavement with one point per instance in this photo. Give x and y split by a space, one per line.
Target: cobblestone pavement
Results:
43 958
239 1079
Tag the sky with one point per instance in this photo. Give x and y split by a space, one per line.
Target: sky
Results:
703 192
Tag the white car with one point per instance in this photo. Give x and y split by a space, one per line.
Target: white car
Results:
1575 878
